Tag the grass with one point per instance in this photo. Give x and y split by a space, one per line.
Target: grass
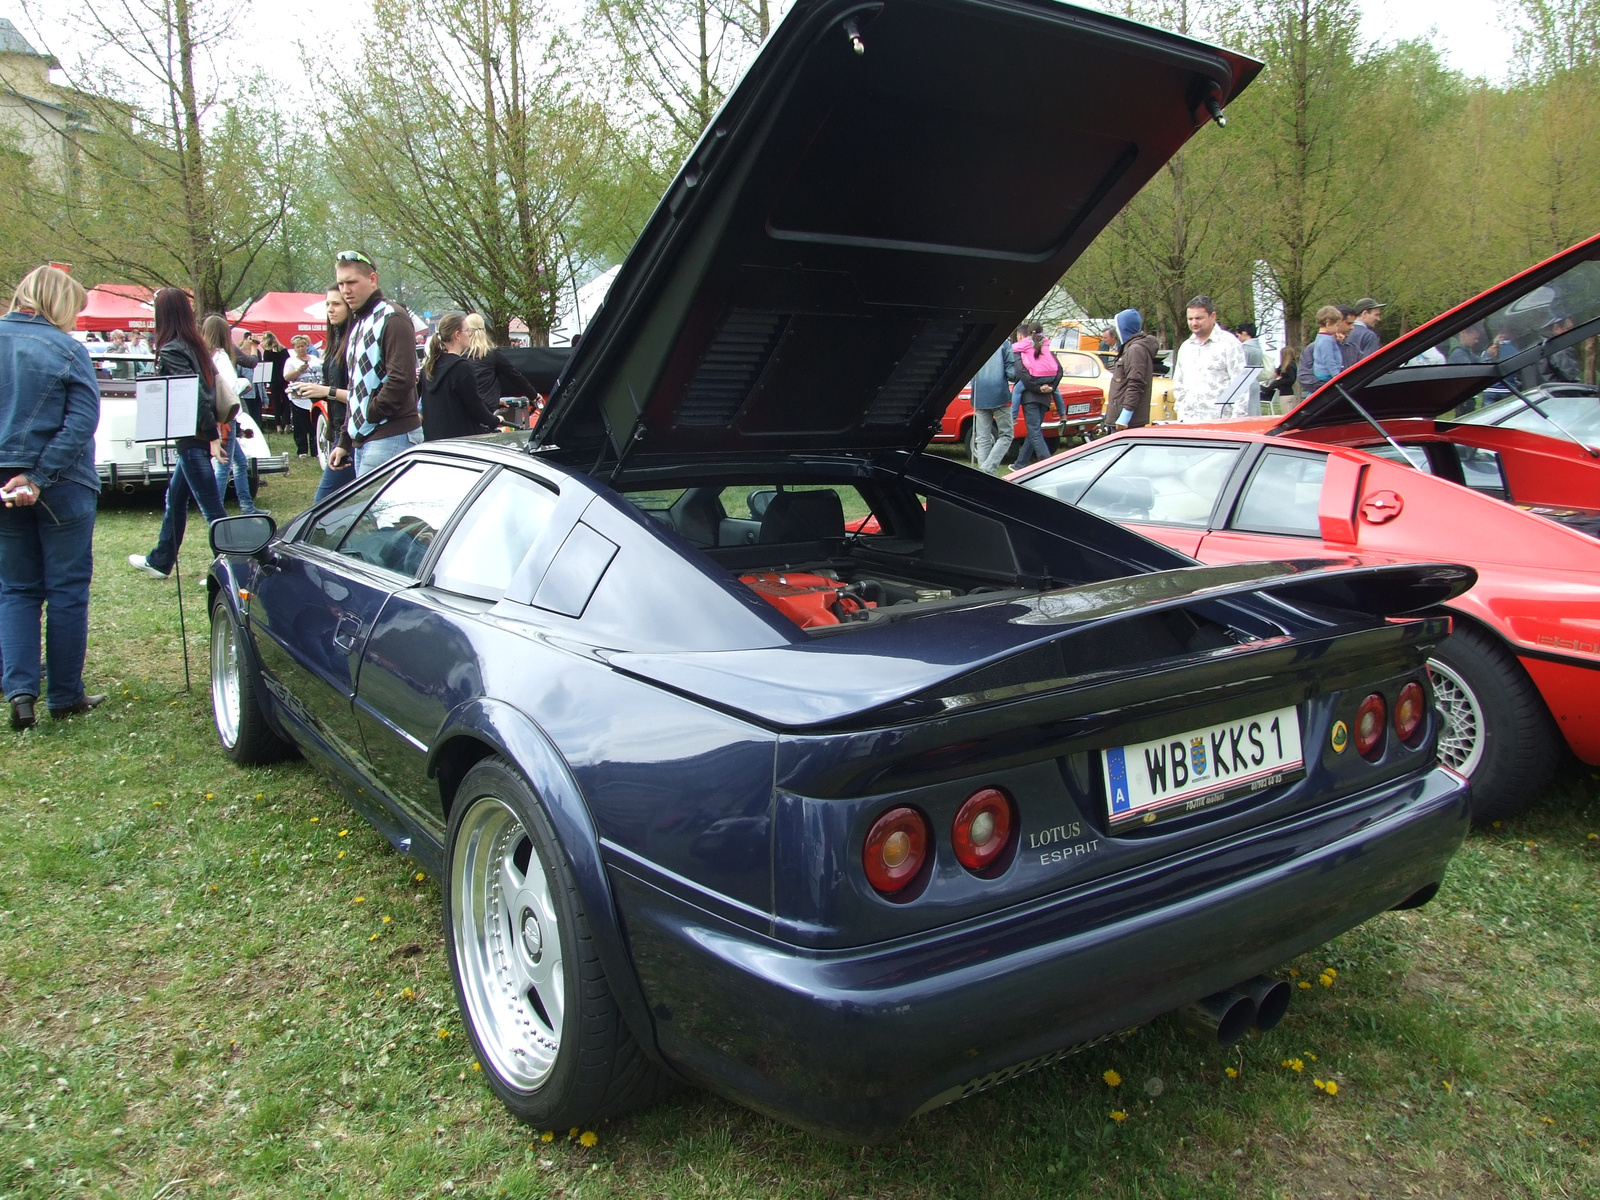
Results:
218 982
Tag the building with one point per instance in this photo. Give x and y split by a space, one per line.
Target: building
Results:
37 117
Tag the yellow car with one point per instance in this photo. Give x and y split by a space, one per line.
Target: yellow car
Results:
1093 367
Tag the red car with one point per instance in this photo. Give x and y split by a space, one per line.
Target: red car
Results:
1369 465
1084 408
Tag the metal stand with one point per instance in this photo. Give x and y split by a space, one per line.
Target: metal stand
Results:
183 629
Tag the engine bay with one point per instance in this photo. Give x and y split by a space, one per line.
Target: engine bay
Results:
823 597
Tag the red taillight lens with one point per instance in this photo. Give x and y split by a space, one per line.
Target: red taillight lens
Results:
897 846
1409 711
982 829
1369 726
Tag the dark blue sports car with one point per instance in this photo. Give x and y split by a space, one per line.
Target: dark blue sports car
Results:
755 748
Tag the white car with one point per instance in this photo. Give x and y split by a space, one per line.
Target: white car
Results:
130 466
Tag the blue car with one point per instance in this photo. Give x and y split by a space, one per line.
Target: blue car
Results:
756 749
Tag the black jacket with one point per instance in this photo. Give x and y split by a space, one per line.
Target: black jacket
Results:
176 358
451 403
496 378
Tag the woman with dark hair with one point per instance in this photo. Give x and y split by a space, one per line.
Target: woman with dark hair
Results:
452 405
333 391
1038 372
183 352
273 351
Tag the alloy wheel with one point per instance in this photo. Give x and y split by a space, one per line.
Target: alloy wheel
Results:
1461 729
508 944
225 703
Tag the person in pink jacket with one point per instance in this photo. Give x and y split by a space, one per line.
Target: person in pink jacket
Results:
1038 372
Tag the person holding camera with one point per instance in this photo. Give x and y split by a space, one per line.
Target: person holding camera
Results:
49 409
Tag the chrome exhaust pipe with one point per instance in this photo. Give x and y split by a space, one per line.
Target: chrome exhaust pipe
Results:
1225 1016
1271 998
127 489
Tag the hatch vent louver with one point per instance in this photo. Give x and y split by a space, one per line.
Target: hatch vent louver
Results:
731 367
924 363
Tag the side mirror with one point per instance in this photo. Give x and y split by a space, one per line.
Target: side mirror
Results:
759 500
247 535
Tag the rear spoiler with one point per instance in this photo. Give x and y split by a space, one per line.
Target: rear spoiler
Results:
830 679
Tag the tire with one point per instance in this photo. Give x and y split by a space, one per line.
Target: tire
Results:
235 702
968 438
1494 726
538 1010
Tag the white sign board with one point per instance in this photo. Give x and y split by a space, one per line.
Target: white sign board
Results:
167 407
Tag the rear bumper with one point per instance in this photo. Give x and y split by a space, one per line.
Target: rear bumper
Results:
851 1044
133 476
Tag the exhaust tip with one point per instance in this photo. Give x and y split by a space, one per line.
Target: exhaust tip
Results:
1226 1016
1271 997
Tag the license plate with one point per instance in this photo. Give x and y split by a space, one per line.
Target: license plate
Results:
1074 409
1202 767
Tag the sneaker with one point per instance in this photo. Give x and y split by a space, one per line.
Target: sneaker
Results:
139 563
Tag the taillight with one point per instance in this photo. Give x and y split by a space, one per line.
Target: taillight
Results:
982 829
896 848
1409 711
1369 726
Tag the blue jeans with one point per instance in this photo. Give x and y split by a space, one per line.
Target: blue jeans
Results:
192 477
333 478
371 455
1033 446
47 560
238 465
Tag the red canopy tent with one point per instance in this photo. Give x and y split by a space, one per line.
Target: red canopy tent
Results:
285 314
117 306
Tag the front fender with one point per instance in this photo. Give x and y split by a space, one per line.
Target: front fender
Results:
520 740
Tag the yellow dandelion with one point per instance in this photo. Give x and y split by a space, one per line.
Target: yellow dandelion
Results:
1332 1088
1293 1064
420 876
1118 1115
158 803
373 938
260 795
1330 971
573 1132
360 900
344 833
1112 1079
1592 836
1311 1056
549 1135
1230 1072
386 920
314 820
588 1139
407 994
341 854
1305 985
443 1033
1448 1086
209 796
1548 1120
477 1066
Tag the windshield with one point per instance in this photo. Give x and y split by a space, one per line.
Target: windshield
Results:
1541 333
1578 414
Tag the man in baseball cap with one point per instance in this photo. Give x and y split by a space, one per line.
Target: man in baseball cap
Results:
1364 335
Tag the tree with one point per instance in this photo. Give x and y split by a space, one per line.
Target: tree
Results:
155 195
469 146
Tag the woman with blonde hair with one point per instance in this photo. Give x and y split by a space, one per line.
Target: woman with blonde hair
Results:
496 377
452 405
49 409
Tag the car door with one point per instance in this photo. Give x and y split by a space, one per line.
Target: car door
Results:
1280 508
316 598
1168 490
426 654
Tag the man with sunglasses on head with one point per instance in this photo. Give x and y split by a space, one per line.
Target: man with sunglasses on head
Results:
381 366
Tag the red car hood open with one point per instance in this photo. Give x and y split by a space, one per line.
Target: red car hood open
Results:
1400 379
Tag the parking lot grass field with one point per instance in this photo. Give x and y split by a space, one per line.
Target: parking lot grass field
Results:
218 982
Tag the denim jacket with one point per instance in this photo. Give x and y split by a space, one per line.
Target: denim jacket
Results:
49 404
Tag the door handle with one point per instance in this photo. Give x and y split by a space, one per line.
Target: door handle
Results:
346 632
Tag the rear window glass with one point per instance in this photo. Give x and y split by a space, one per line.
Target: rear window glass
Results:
490 541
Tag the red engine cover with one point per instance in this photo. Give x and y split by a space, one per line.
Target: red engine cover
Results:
807 600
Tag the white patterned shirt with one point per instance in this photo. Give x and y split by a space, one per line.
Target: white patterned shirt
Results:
1201 376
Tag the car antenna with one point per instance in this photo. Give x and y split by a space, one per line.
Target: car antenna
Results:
1570 436
1370 420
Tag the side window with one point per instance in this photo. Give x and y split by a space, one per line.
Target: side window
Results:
490 541
1079 366
328 530
1414 456
1167 483
1068 481
1481 471
1282 495
398 527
